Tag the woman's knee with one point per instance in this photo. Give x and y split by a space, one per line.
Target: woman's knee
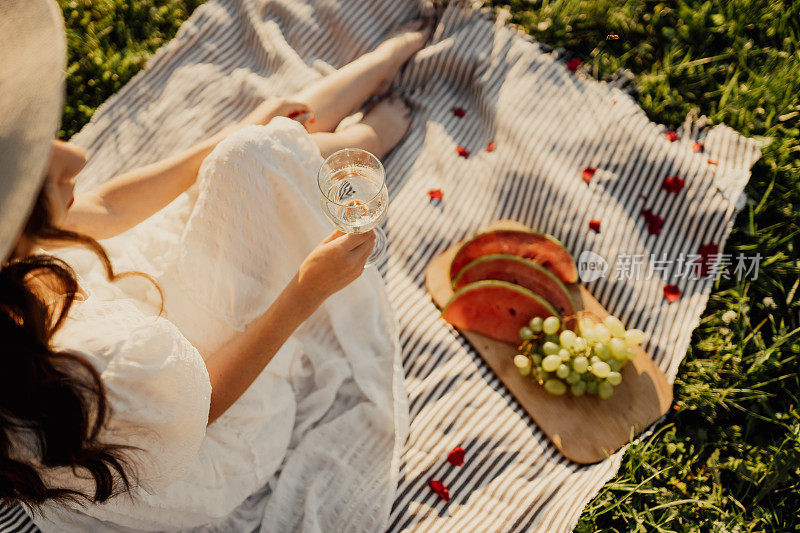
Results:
279 136
241 143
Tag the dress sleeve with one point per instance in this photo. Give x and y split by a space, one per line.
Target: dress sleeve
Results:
160 394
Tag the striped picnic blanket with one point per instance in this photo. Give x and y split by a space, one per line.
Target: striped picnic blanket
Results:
547 124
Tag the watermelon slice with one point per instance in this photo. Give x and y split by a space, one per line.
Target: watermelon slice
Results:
522 272
539 248
497 309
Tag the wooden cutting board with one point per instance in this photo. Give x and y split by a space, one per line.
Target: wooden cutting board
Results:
585 429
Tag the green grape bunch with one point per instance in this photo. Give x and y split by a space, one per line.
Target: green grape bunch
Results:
586 361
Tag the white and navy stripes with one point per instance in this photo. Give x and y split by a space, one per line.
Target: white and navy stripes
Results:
14 519
548 124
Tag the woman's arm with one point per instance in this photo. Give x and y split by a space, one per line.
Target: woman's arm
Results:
330 267
127 199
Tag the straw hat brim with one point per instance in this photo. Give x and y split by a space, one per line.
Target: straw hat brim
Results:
32 63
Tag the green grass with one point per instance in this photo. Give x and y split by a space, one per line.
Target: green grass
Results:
110 41
728 456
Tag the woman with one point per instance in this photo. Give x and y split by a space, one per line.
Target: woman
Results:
255 324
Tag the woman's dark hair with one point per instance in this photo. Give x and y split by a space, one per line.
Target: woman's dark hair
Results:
53 404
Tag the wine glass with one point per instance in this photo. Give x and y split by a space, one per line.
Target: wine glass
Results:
354 196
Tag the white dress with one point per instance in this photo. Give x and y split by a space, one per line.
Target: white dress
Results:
313 444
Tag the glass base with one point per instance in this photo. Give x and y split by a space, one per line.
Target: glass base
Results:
379 250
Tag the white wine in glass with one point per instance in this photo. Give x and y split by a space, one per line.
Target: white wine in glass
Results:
352 184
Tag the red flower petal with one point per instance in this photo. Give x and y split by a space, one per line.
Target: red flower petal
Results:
671 136
594 225
491 146
671 293
587 174
698 147
435 194
712 162
673 184
573 64
456 456
654 222
463 152
459 112
439 488
706 251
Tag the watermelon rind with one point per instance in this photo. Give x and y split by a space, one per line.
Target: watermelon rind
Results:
507 285
523 261
573 274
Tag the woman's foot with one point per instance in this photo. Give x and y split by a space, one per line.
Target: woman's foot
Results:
407 40
389 121
343 92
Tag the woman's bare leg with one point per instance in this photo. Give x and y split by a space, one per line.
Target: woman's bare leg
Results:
378 132
339 94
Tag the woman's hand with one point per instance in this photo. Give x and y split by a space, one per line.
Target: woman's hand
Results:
280 107
335 263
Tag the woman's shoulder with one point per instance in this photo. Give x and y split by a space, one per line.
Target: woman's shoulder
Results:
106 330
